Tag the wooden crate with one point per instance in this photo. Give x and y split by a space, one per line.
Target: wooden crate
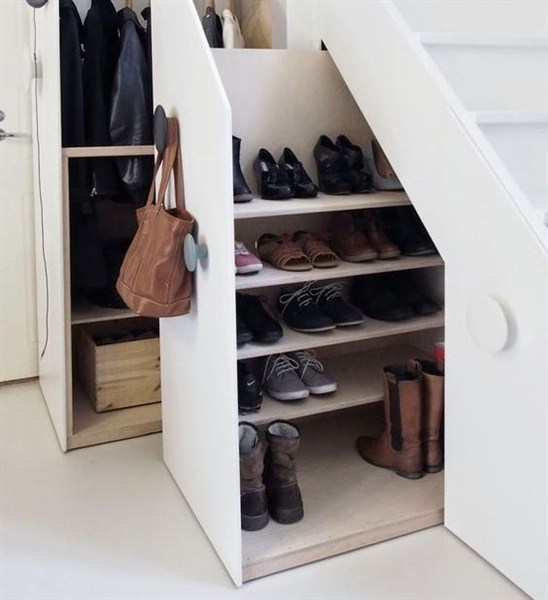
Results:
118 375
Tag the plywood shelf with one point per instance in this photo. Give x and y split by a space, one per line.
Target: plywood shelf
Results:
323 203
359 381
91 427
370 329
348 503
107 151
270 276
85 312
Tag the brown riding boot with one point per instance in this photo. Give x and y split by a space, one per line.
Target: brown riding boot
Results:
253 505
432 415
284 496
399 445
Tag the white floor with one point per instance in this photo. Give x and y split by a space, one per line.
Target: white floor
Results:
108 522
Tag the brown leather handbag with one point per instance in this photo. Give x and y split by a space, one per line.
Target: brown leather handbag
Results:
153 279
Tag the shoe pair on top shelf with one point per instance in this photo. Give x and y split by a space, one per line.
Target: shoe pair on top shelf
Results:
286 377
392 296
316 308
268 480
282 180
298 252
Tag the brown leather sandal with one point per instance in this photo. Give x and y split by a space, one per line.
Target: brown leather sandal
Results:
282 252
315 247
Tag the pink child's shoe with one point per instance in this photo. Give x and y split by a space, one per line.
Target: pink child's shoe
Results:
245 261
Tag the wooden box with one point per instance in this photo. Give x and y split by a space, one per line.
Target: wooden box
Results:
118 374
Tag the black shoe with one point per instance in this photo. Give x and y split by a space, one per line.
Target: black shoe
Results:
301 184
243 333
361 180
405 228
242 193
404 285
272 181
300 311
332 173
252 310
250 393
329 298
375 297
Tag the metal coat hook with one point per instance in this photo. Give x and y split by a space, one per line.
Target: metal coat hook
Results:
160 129
193 252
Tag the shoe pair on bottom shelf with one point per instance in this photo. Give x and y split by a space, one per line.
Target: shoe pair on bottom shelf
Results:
268 480
413 411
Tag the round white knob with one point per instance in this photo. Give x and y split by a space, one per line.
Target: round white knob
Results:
487 323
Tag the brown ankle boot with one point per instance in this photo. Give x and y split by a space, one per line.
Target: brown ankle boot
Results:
399 445
253 505
348 240
432 415
284 496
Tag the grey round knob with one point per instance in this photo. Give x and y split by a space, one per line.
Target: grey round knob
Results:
193 252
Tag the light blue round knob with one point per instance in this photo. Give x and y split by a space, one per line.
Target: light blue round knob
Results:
193 252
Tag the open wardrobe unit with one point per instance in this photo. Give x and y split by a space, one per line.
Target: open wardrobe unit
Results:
240 106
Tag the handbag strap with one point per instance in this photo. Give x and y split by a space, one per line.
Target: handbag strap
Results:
170 161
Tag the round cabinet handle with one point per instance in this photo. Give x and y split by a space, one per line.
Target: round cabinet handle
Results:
488 323
193 252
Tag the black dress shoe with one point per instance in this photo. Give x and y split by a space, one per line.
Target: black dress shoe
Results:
272 181
300 311
332 173
404 285
361 180
405 228
301 184
242 193
330 299
250 393
375 297
252 310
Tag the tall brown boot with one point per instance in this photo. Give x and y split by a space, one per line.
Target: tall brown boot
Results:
284 496
253 505
432 414
399 445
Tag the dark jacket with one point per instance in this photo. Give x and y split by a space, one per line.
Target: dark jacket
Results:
131 108
101 55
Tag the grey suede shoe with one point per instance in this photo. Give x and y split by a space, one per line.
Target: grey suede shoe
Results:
312 374
280 379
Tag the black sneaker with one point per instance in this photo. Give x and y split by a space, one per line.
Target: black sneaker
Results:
329 298
300 311
255 312
375 297
250 393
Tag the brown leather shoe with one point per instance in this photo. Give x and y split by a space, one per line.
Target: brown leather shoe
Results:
399 445
253 503
280 477
432 414
385 247
348 240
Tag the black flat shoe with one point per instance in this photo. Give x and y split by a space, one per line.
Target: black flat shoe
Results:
255 312
332 173
405 228
242 193
272 181
360 178
375 297
301 184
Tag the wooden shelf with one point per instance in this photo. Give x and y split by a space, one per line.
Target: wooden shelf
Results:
323 203
85 312
270 276
348 503
359 381
90 427
107 151
293 340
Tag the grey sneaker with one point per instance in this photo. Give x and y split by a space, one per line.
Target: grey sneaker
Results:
312 374
280 379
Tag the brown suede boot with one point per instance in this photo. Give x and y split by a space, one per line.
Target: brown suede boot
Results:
399 445
253 505
284 496
348 240
432 414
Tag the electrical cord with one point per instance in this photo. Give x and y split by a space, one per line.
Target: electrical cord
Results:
39 172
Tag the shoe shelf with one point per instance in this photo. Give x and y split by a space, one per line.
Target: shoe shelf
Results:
322 203
348 503
86 312
90 427
369 329
269 276
359 381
